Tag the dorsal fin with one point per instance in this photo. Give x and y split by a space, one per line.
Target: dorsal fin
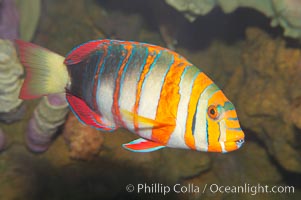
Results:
81 52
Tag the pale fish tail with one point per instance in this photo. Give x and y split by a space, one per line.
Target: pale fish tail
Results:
45 71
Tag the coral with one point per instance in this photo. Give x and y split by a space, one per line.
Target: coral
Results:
84 142
9 20
286 13
19 17
268 99
29 16
192 8
10 83
48 116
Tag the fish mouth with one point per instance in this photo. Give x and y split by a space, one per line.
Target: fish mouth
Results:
233 145
239 142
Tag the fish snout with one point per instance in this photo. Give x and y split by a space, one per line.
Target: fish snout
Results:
234 141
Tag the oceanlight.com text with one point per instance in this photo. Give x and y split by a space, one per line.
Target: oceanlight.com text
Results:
251 189
246 188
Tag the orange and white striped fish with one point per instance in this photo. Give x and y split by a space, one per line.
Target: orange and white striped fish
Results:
149 90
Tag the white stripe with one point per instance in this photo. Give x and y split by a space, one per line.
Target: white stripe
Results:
223 147
200 133
105 98
222 128
177 138
151 90
128 94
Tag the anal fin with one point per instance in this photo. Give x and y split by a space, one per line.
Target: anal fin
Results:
142 145
87 116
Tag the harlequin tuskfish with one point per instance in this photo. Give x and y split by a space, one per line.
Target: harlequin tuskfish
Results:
149 90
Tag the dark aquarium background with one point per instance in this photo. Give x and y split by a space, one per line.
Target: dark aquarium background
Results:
251 49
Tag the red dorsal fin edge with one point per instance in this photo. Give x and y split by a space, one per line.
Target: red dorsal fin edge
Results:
80 52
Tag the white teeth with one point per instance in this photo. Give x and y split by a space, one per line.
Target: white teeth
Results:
239 143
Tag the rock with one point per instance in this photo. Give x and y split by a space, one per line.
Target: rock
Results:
173 164
84 142
183 164
63 26
236 169
2 140
294 112
268 96
113 24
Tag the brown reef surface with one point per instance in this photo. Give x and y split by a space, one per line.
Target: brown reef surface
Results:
84 142
266 90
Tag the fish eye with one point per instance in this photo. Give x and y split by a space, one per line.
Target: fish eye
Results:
213 112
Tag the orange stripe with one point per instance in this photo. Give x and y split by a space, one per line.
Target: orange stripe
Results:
152 52
218 98
231 113
213 135
169 99
128 42
200 84
115 109
213 127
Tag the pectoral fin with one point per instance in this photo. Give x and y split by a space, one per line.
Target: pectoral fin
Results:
144 121
142 145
